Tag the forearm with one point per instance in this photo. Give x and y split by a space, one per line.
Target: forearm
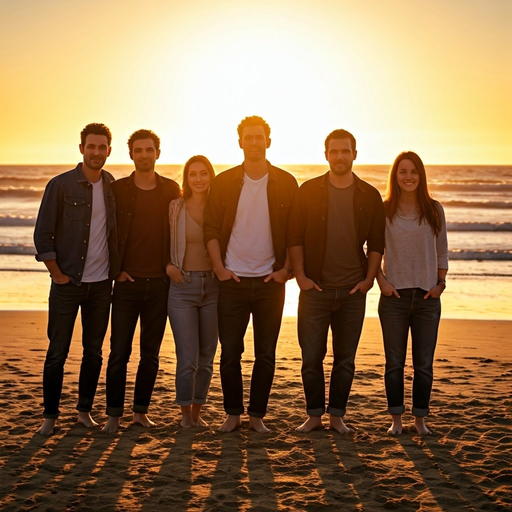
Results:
296 258
55 272
213 247
374 259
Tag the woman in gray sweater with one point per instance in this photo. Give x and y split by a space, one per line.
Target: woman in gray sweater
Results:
411 282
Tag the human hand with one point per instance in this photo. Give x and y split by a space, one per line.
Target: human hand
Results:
174 273
279 276
307 284
124 276
363 286
223 274
435 292
61 278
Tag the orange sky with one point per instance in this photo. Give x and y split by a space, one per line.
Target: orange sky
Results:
431 76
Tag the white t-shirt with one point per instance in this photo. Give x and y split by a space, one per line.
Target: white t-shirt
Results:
96 261
250 250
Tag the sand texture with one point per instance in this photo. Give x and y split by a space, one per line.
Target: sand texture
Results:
465 465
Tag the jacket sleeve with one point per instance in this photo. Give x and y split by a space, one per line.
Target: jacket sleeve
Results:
49 214
297 221
214 212
376 236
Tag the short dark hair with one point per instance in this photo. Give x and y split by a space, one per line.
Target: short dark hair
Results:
340 134
144 134
253 121
95 129
187 191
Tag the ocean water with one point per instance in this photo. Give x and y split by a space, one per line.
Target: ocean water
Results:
477 201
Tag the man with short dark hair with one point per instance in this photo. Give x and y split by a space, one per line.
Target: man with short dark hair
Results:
332 218
245 226
75 237
141 288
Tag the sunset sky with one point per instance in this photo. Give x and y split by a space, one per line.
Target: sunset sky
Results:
430 76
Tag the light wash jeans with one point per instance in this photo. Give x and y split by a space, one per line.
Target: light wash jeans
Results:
192 309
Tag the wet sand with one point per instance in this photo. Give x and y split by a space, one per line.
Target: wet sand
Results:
463 465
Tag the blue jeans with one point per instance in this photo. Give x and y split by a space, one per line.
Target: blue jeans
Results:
192 309
145 298
344 313
421 316
237 301
65 299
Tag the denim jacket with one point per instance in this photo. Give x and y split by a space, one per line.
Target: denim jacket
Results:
64 219
308 222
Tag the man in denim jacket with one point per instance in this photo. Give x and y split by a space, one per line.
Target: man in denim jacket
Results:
75 237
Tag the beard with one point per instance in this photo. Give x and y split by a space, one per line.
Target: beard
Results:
340 168
96 163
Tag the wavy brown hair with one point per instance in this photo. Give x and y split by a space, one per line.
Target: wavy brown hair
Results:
187 191
426 204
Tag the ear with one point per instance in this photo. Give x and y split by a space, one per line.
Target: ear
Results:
158 154
269 141
109 150
240 143
81 148
131 155
355 154
326 157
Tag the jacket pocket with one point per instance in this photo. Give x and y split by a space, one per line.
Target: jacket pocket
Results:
74 208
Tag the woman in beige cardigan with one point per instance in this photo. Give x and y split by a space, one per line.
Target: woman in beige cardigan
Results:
193 292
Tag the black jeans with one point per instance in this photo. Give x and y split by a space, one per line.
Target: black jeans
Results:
145 298
237 301
65 299
344 313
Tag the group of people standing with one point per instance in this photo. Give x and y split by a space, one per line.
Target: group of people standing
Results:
219 250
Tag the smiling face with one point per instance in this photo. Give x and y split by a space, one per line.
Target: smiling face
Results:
199 178
95 151
407 176
144 155
254 143
340 156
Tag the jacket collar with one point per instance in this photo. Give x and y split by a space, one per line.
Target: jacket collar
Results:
131 179
80 176
238 175
360 184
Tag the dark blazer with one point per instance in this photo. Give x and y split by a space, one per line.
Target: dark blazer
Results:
124 191
222 204
308 222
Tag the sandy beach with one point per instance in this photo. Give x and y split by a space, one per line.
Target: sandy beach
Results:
464 465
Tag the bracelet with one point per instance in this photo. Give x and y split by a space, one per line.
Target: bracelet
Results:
441 281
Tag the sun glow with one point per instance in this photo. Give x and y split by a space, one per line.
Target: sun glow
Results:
192 71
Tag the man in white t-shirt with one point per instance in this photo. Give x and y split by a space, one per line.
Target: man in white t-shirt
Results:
75 237
245 227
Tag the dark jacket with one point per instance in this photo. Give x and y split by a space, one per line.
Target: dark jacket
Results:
64 222
222 204
124 192
308 222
